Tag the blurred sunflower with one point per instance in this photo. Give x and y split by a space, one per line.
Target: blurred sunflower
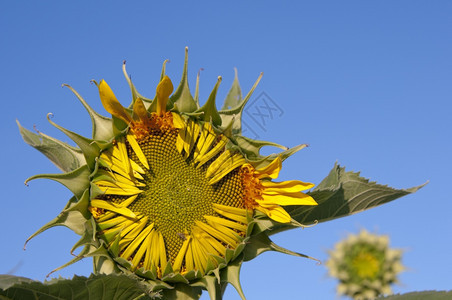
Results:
364 265
169 190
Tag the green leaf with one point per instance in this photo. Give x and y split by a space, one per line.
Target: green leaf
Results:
64 156
118 287
7 281
430 295
344 193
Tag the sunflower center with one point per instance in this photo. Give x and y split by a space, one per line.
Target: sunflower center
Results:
176 192
365 265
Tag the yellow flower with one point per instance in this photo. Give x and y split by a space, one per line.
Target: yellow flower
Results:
170 190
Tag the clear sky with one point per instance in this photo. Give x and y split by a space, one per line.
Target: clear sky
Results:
364 83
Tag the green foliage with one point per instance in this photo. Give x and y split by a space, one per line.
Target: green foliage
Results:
342 194
95 287
424 295
122 287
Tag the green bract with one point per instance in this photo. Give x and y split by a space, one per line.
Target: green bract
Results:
365 265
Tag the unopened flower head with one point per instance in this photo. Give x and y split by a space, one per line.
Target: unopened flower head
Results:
364 265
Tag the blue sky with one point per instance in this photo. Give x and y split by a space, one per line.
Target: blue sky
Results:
364 83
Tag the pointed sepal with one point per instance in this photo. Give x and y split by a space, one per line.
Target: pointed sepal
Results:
209 109
230 113
76 181
64 156
101 125
73 220
252 147
231 274
182 97
90 149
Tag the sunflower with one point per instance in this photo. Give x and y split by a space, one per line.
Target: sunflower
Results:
168 190
365 265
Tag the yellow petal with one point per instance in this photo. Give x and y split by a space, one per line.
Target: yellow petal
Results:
217 234
233 213
111 222
297 198
155 249
205 140
113 207
191 135
177 265
271 170
106 216
227 223
128 201
288 186
225 230
233 162
105 185
178 121
189 259
214 166
162 251
134 245
164 90
140 110
119 191
276 213
137 149
203 158
208 243
123 156
147 264
199 256
111 104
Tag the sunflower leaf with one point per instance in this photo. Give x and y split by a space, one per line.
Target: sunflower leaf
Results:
64 156
118 287
341 194
7 281
431 295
